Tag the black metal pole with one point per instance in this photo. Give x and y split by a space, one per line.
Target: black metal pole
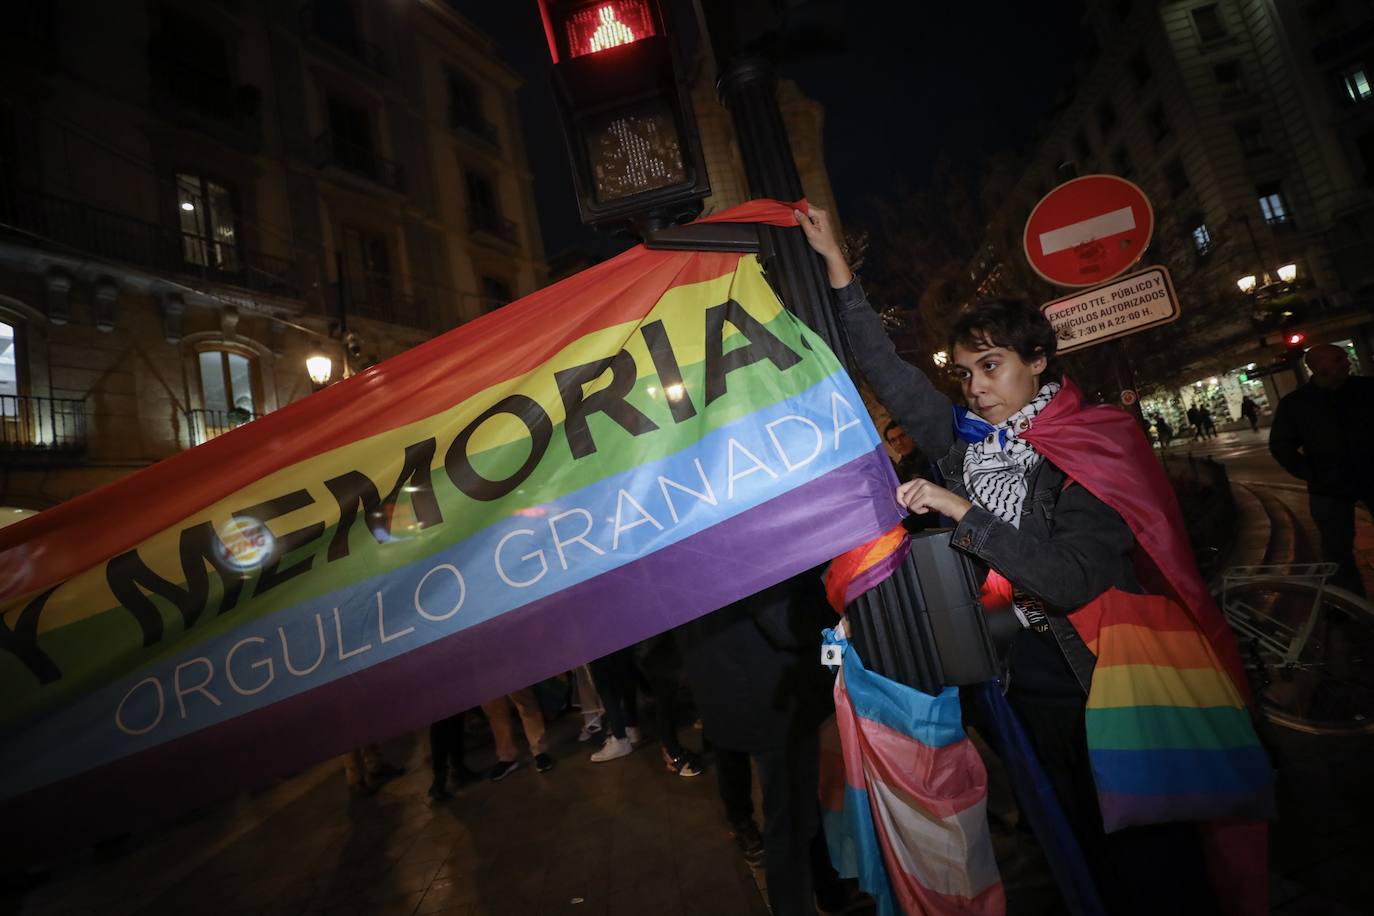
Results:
883 621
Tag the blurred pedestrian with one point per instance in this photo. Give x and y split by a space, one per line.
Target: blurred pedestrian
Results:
588 703
1163 431
617 683
1250 411
1209 425
658 659
1323 433
447 738
754 673
1195 421
498 711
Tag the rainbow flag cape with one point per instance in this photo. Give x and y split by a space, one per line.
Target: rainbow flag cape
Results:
596 463
1168 734
909 817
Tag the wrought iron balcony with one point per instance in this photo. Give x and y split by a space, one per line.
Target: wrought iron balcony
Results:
318 21
486 221
203 425
36 425
134 241
377 301
331 149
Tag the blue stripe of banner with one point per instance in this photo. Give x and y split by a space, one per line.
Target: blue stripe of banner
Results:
1181 772
378 619
934 721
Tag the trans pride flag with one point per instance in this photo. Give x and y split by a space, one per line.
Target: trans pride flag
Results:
906 808
600 461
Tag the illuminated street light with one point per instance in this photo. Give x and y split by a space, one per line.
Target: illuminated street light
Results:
187 206
1288 273
941 359
1246 283
320 368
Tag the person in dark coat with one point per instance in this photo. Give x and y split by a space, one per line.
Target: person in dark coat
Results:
755 673
1323 433
1195 421
1250 411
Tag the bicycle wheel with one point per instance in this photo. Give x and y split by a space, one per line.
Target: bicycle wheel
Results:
1328 689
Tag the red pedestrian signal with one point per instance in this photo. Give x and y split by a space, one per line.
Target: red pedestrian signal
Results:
597 28
1296 339
626 114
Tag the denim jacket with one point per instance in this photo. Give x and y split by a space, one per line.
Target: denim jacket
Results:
1069 548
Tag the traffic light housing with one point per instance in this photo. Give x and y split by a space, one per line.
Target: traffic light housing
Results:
627 116
1294 347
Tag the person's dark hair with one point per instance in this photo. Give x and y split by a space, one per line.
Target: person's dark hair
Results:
891 425
1011 323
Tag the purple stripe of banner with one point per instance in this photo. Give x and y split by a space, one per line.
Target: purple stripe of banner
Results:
1120 810
785 536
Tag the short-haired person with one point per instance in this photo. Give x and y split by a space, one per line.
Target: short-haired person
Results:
1060 547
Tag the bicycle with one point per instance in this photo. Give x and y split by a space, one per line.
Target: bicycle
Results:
1309 646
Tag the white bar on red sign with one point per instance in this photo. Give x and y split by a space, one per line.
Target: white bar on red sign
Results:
1088 230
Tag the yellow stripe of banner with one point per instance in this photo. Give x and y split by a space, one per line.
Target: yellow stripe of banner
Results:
680 310
1150 685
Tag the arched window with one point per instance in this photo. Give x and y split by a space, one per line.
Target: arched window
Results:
230 392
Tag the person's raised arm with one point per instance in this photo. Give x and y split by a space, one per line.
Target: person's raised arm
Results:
918 406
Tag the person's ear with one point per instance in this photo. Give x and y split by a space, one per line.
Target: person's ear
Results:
1037 365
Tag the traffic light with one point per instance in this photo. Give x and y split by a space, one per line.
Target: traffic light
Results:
1294 347
627 116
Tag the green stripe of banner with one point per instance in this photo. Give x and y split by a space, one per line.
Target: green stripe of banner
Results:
1138 728
120 639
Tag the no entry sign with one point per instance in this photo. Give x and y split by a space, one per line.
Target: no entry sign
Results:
1088 230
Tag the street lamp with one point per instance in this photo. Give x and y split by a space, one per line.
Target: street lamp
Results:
1288 273
941 359
320 368
1247 283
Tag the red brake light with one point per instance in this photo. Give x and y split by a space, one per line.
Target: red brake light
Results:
607 25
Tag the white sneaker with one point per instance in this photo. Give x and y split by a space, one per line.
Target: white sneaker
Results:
634 735
613 748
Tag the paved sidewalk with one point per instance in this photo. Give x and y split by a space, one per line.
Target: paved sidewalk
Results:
622 837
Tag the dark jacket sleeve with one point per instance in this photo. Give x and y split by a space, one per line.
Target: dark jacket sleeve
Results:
1084 556
1285 440
922 409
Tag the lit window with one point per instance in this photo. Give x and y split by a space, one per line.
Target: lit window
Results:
1357 84
9 370
1202 239
205 210
226 385
1271 203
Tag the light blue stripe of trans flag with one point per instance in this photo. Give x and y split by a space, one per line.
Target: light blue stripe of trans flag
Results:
84 735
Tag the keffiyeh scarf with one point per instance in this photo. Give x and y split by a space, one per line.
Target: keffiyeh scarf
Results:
997 467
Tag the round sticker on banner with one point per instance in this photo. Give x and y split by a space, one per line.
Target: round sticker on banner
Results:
246 543
1128 397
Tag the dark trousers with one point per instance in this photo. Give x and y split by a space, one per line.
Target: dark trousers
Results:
446 745
659 663
617 683
735 783
1335 520
1127 865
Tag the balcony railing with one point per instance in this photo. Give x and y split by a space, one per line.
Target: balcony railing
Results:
42 425
486 220
331 149
203 425
378 302
162 248
319 22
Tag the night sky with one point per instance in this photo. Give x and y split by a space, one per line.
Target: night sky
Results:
910 82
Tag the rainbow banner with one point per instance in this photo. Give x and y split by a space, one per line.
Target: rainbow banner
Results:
591 465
